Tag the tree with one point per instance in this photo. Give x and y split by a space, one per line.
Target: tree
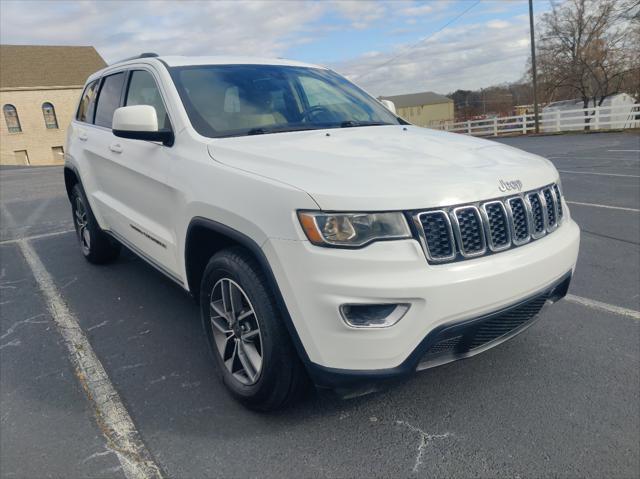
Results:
493 100
466 104
588 49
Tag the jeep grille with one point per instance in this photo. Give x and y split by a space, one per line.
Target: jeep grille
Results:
468 231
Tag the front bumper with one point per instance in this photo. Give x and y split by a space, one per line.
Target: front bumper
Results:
315 281
452 342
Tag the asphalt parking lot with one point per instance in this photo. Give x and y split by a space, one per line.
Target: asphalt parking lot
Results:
560 400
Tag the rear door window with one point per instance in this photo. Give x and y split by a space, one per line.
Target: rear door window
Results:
88 103
109 99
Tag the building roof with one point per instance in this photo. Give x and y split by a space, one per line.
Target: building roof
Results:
417 99
28 66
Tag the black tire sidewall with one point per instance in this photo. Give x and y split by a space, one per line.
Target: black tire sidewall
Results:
102 249
276 350
78 193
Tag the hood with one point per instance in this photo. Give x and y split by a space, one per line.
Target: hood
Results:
385 167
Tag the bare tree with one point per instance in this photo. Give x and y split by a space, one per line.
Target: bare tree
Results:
589 49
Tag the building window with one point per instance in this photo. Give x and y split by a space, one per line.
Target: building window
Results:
21 156
49 113
11 117
58 154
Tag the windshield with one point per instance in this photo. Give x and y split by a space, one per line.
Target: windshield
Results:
237 100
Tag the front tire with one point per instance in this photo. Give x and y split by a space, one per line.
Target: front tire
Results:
253 352
96 246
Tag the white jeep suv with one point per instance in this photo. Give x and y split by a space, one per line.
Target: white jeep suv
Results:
325 238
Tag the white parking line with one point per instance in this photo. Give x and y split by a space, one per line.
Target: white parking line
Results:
35 237
597 174
35 215
623 150
589 158
609 308
112 417
595 205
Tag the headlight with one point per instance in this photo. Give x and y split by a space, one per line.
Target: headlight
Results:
351 230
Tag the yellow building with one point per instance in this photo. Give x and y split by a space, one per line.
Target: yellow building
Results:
524 109
39 90
423 109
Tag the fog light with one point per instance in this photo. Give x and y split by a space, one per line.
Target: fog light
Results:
373 315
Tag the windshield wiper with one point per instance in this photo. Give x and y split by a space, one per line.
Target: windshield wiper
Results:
284 129
257 131
278 129
350 123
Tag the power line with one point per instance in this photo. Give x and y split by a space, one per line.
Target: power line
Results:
422 40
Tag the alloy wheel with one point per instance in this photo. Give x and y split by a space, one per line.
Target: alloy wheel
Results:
81 221
236 332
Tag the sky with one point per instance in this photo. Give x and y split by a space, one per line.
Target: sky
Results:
387 47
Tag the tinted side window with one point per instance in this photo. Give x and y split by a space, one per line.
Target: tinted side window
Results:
109 99
144 91
88 103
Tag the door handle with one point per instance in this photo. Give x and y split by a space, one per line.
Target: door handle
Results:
116 148
82 136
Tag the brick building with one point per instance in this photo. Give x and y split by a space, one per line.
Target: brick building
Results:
423 109
39 90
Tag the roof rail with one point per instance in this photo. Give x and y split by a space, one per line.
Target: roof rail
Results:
142 55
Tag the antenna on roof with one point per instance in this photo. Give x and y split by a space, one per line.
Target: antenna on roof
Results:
142 55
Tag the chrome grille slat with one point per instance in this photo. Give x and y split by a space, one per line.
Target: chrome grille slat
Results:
558 198
550 203
520 218
468 231
438 235
498 228
538 215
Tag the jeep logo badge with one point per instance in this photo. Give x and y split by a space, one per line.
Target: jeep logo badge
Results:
510 185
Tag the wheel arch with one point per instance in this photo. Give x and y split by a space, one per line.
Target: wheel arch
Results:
71 178
204 238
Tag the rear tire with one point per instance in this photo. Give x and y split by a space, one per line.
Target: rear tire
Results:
96 246
251 346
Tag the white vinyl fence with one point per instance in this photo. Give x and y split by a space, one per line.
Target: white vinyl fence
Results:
594 118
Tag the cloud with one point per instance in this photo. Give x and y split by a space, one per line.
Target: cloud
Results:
491 49
362 13
498 24
417 10
463 57
119 29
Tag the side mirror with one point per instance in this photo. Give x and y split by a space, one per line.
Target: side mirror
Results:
140 122
389 105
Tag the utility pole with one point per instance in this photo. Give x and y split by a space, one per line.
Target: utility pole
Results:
533 67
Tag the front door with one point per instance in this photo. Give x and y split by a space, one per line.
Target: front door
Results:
132 190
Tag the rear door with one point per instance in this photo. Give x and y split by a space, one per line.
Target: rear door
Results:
81 150
131 188
97 154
